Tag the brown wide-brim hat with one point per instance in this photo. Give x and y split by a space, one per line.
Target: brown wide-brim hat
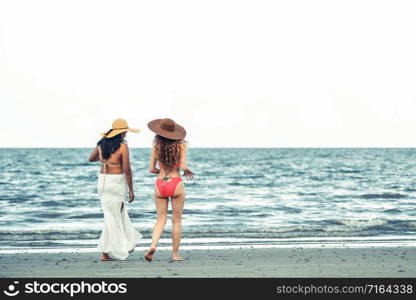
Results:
167 128
119 126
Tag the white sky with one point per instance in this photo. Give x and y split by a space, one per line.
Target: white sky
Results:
233 73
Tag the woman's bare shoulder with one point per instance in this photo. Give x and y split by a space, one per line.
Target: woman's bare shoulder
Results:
124 147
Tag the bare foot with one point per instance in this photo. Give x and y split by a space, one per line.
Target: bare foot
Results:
149 254
176 258
105 257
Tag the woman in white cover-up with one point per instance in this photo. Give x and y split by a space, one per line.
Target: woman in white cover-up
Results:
118 237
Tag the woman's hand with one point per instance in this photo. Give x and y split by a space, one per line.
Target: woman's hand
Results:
154 171
188 174
131 196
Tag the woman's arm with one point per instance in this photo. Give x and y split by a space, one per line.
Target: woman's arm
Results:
184 164
94 155
152 165
127 169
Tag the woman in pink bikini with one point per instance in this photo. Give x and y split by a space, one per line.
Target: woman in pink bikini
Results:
169 151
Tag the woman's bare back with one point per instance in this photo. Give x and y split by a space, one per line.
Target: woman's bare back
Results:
112 165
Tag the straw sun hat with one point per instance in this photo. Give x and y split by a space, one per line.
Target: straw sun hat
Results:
167 128
119 126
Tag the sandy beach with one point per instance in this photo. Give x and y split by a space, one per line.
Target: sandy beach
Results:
268 262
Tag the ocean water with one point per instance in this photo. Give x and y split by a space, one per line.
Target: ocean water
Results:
239 197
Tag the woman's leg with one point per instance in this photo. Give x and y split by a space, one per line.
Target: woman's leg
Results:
177 208
162 212
162 215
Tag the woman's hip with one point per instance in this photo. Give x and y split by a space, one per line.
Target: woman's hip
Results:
111 184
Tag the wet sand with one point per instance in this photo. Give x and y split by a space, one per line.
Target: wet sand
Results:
268 262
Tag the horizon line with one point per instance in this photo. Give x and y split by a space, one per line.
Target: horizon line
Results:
238 147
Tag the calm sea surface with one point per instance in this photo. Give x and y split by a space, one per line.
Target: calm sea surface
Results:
48 197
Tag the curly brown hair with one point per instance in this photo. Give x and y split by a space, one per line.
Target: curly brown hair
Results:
167 151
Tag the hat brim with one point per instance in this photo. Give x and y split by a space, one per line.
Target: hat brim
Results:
118 131
178 134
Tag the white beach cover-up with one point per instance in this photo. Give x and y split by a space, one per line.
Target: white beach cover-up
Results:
118 237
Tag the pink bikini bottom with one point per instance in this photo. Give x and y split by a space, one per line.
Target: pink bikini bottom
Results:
167 187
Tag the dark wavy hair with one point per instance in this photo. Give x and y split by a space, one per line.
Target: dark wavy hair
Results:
167 151
110 145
